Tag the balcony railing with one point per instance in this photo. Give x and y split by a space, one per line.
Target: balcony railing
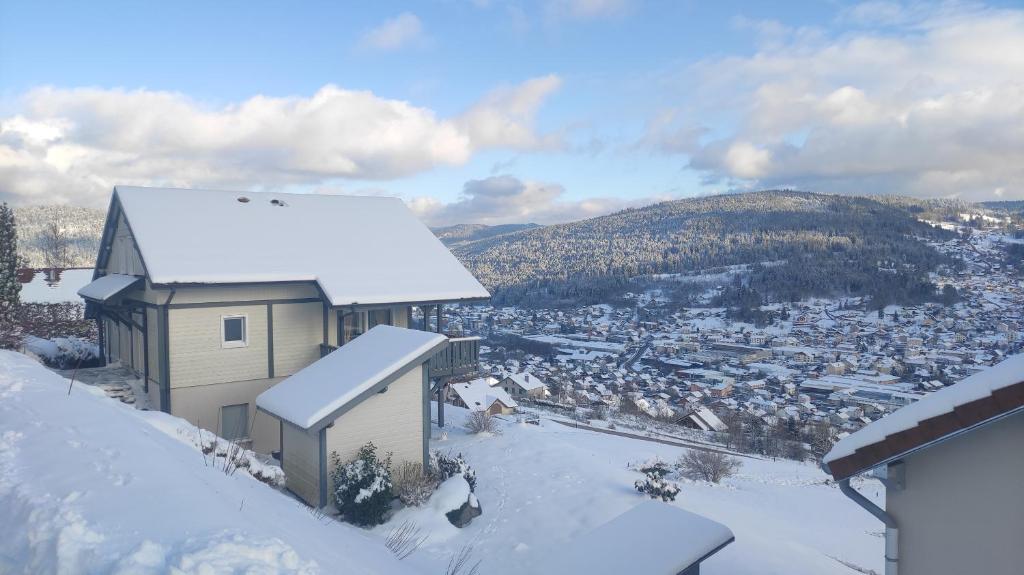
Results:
459 358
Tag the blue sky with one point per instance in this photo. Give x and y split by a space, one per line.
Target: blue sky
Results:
498 111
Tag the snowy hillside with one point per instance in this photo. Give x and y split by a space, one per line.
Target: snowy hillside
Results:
90 485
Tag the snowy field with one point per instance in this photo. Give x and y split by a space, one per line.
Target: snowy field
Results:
540 486
89 485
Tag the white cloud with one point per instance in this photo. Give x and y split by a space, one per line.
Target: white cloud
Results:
74 145
935 108
506 199
394 33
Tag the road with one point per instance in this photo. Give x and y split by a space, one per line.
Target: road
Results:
652 439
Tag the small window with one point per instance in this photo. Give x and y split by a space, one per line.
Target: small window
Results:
233 331
234 422
352 326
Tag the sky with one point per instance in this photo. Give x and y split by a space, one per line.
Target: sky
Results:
491 111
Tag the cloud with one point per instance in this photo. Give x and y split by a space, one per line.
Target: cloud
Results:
75 144
932 106
394 33
506 199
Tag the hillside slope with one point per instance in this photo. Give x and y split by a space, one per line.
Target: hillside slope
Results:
83 227
830 244
91 485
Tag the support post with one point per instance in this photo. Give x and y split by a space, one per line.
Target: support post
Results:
439 318
440 403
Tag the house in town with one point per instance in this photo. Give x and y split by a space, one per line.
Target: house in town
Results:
213 297
523 385
952 465
479 395
376 389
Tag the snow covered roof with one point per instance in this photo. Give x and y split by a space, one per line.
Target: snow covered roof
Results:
526 381
478 395
672 541
360 250
978 399
321 392
106 287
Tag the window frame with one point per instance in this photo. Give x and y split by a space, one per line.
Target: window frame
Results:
234 344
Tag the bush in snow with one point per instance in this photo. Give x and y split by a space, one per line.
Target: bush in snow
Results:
412 484
656 468
64 352
230 456
707 465
362 487
481 422
656 487
445 466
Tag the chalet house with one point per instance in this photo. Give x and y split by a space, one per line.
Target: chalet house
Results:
952 465
479 395
213 297
523 385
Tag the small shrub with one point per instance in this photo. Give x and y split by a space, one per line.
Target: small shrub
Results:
412 485
656 487
445 467
403 541
362 487
481 422
707 465
655 468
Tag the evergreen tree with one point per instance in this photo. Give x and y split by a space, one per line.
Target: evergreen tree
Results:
10 331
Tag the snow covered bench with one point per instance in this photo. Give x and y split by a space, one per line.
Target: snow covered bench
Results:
652 538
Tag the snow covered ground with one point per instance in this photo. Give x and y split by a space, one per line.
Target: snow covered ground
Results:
90 485
540 486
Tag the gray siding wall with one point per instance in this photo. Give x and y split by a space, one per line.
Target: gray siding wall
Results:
201 405
197 357
392 420
963 507
301 464
124 258
298 333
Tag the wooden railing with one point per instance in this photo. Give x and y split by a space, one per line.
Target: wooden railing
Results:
459 358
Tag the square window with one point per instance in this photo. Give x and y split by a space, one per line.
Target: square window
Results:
233 331
234 422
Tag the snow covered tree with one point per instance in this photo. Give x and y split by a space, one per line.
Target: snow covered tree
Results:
10 331
362 487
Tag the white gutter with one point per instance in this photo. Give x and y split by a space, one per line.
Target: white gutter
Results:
892 552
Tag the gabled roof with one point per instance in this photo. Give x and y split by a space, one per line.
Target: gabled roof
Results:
979 399
526 381
358 249
320 393
478 395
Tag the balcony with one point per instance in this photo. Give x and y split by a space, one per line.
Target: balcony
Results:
461 357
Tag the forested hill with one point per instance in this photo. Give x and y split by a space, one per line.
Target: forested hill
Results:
829 245
466 233
78 230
